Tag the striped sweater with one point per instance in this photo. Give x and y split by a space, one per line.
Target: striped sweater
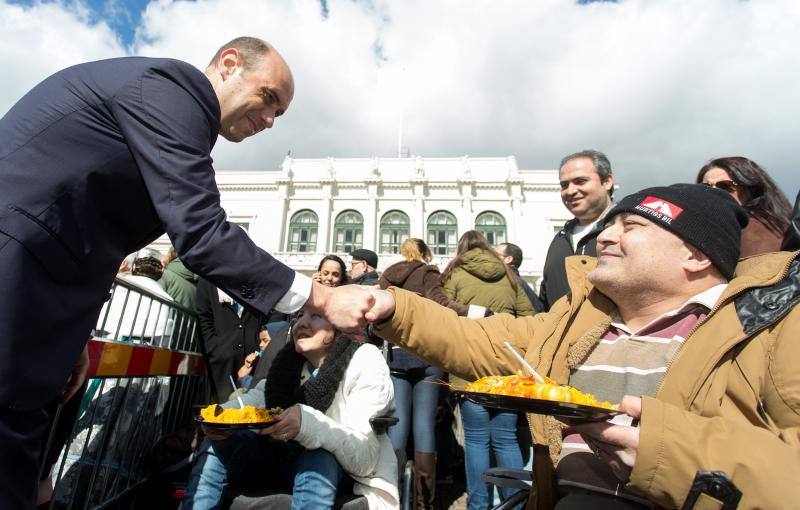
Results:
622 363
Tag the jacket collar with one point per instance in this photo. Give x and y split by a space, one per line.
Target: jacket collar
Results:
599 223
722 331
576 342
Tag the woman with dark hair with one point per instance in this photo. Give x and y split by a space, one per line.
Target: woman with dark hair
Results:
415 397
767 206
477 277
330 388
331 271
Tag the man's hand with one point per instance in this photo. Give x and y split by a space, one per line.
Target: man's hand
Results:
343 306
288 425
77 376
615 444
384 305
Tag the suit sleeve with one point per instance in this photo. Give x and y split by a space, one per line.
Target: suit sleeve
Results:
169 120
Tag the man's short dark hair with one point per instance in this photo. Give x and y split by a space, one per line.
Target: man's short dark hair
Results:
513 251
252 49
600 161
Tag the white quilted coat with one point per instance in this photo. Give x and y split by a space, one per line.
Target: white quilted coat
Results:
365 391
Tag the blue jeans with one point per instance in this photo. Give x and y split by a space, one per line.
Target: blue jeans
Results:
415 398
247 458
486 432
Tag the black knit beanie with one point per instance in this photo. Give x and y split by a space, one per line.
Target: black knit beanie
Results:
707 218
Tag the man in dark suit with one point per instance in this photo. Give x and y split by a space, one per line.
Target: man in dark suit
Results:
229 333
96 162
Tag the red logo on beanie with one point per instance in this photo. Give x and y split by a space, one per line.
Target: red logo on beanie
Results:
660 208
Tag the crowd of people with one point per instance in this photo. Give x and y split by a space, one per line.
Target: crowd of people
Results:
628 355
674 301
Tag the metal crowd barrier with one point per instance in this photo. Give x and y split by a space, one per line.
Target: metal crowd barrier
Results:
146 371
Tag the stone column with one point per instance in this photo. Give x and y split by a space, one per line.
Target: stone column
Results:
465 217
284 196
517 220
325 221
417 216
371 220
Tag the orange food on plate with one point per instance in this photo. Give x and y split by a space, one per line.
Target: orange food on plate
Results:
526 386
248 414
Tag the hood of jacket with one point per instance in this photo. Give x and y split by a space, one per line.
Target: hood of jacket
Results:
483 264
177 267
397 274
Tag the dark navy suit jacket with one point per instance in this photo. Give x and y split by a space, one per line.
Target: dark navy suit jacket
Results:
96 162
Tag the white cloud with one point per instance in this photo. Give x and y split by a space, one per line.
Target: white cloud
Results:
660 86
39 40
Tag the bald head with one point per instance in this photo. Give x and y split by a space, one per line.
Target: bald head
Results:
252 50
254 86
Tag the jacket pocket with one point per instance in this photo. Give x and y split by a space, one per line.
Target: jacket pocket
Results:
43 244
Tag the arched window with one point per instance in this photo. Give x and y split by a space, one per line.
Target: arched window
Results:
493 227
302 232
442 233
395 228
348 232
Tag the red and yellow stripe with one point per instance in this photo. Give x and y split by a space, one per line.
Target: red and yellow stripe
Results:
122 359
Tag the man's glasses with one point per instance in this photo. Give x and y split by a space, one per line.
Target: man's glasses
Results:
725 185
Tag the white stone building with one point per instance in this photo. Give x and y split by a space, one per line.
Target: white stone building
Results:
312 207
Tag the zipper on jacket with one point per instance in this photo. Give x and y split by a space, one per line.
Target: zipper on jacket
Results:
714 310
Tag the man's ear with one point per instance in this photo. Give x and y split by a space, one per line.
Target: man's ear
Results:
229 62
608 184
695 260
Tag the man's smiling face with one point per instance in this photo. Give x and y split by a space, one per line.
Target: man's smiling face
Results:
582 191
252 97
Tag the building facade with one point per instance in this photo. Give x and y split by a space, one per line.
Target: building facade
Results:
311 207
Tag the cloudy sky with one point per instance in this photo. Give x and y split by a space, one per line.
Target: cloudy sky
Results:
660 86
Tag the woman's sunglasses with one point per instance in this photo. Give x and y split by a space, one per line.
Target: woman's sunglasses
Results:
725 185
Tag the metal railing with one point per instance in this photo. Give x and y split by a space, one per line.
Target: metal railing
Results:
146 369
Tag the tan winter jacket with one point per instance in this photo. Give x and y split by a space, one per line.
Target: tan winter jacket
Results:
705 415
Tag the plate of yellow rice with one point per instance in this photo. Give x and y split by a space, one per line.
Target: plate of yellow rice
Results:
248 417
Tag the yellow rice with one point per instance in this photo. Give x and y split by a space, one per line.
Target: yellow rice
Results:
249 414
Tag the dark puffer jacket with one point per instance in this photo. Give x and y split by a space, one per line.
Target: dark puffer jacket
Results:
482 280
554 284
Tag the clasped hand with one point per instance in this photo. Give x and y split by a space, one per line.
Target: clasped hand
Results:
350 307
